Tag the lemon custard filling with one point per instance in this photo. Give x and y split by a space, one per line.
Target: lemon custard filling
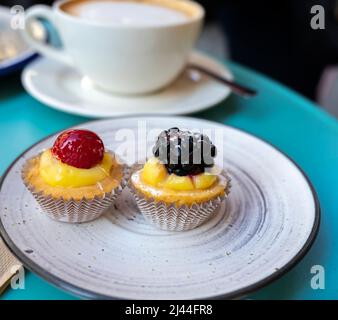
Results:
107 184
56 173
155 174
180 190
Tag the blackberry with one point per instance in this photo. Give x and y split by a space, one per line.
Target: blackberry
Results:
184 153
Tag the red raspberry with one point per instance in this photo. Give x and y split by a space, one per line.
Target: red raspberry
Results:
79 148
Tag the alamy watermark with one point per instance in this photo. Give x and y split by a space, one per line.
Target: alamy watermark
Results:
318 280
18 278
136 145
318 19
18 17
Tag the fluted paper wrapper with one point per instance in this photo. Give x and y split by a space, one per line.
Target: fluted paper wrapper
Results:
75 211
172 217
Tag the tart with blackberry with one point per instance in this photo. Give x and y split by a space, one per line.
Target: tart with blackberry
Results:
76 179
180 187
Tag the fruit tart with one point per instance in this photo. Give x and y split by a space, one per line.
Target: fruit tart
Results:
77 179
180 187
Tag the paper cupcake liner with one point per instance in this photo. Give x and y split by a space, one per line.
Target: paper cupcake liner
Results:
172 217
75 211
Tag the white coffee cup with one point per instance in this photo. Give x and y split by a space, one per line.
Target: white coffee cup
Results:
124 59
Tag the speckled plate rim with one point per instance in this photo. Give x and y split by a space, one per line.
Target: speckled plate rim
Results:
88 294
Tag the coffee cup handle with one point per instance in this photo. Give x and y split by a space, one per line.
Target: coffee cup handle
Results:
45 13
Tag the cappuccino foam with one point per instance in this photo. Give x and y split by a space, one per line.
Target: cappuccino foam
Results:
125 13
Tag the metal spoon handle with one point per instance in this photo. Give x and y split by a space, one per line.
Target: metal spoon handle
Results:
235 87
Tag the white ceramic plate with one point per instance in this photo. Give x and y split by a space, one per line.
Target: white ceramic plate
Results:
62 88
267 225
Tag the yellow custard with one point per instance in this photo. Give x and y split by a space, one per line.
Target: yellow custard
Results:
154 182
155 174
56 173
52 177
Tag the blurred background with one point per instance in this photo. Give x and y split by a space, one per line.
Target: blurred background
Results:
274 38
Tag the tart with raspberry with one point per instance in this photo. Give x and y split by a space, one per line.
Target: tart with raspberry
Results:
180 187
76 179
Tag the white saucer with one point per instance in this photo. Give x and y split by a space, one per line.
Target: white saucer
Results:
63 88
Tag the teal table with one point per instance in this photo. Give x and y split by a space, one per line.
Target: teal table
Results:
290 122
